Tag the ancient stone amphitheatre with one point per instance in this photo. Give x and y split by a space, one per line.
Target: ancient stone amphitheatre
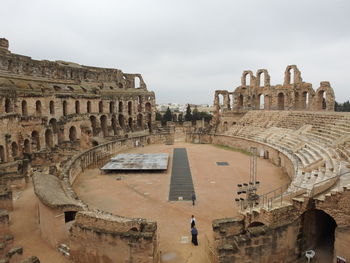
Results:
61 122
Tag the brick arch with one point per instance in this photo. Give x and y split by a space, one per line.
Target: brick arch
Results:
297 75
244 78
324 97
266 78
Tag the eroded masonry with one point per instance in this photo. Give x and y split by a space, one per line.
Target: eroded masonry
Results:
297 129
56 118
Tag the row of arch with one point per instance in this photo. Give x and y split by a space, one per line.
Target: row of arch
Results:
9 107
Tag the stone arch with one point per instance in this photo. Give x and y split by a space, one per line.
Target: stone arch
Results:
77 107
72 134
261 101
148 107
64 108
280 101
53 124
305 100
130 107
48 138
325 99
38 107
26 146
225 126
8 105
100 106
318 233
14 149
289 79
130 124
140 120
104 126
2 154
52 107
111 107
120 107
240 101
35 141
137 82
24 108
93 125
266 78
88 106
121 120
114 125
244 78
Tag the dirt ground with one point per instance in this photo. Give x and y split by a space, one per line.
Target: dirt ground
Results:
146 195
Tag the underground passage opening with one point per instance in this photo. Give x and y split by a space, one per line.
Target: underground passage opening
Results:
69 216
318 233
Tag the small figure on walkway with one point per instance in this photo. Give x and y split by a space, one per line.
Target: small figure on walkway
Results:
194 233
193 221
193 198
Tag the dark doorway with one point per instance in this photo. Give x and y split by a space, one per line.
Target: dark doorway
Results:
318 234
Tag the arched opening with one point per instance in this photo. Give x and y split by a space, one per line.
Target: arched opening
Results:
240 101
48 138
290 76
148 107
100 107
64 106
305 100
53 124
137 82
8 106
2 154
88 107
72 134
114 125
318 233
130 124
129 107
111 107
26 146
104 127
255 224
225 126
280 101
35 141
180 118
77 107
261 102
322 104
140 121
52 107
174 117
297 102
14 149
38 107
120 107
121 121
69 216
24 108
93 125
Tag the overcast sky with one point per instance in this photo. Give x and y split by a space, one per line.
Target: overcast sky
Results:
186 49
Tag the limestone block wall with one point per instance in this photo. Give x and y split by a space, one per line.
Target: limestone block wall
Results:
101 237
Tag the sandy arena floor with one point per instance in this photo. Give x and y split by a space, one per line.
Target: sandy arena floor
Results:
146 195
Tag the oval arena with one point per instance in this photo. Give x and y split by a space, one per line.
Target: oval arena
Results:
61 122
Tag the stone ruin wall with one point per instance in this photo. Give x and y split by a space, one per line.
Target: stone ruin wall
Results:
47 108
256 93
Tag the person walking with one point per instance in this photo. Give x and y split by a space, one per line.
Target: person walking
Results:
193 221
193 198
194 233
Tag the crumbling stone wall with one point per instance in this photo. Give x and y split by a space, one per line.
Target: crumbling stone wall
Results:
256 93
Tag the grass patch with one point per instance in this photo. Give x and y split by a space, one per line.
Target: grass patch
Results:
229 148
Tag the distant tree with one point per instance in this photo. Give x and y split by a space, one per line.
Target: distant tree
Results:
167 116
342 106
188 115
158 116
195 115
205 115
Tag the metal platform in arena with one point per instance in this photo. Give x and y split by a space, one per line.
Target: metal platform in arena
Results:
137 161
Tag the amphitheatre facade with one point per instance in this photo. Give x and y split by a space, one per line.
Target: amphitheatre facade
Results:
59 119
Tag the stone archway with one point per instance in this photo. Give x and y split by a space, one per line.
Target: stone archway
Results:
104 126
280 101
318 233
48 138
72 134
